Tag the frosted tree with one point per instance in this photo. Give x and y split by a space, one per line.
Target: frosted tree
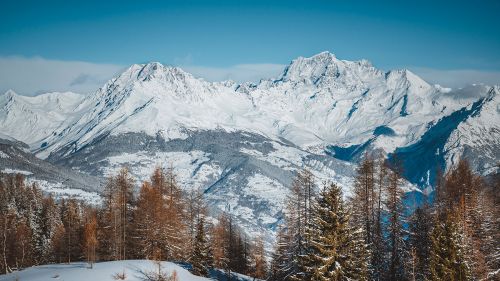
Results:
447 259
364 197
108 219
395 232
298 218
282 262
259 264
332 245
195 208
420 227
378 246
201 258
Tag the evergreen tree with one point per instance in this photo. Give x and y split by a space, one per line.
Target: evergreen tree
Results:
298 219
364 200
201 259
378 246
259 259
108 223
447 260
396 242
330 257
281 259
71 219
420 231
220 243
50 221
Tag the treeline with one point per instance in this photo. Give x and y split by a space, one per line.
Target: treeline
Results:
160 223
367 235
374 236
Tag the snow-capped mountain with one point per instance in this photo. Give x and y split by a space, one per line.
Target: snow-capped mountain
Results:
31 119
317 101
242 143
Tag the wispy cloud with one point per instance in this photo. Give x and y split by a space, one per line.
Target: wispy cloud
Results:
30 76
33 75
457 78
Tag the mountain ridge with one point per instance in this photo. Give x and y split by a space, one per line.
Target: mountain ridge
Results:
243 143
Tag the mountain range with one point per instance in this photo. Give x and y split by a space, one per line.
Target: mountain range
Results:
241 143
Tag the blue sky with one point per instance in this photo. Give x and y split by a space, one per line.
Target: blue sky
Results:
223 39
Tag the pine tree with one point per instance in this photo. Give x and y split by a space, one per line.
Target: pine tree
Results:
330 257
298 220
201 259
195 208
396 242
71 219
488 234
259 259
378 247
219 242
447 260
420 231
50 221
281 259
364 198
108 223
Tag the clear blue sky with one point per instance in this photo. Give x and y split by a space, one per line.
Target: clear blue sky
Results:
392 34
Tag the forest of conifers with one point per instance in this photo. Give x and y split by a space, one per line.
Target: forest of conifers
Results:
323 235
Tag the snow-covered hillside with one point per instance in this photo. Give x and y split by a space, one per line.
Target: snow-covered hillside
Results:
242 143
15 158
103 271
31 119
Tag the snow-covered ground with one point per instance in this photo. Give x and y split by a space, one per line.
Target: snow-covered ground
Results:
134 270
59 190
103 271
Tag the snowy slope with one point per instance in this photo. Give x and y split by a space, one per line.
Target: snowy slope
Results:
478 137
15 158
102 271
31 119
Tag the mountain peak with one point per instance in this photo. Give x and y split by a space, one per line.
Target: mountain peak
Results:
10 93
151 70
9 96
325 67
311 68
405 76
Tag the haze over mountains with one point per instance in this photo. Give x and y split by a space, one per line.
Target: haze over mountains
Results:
242 143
